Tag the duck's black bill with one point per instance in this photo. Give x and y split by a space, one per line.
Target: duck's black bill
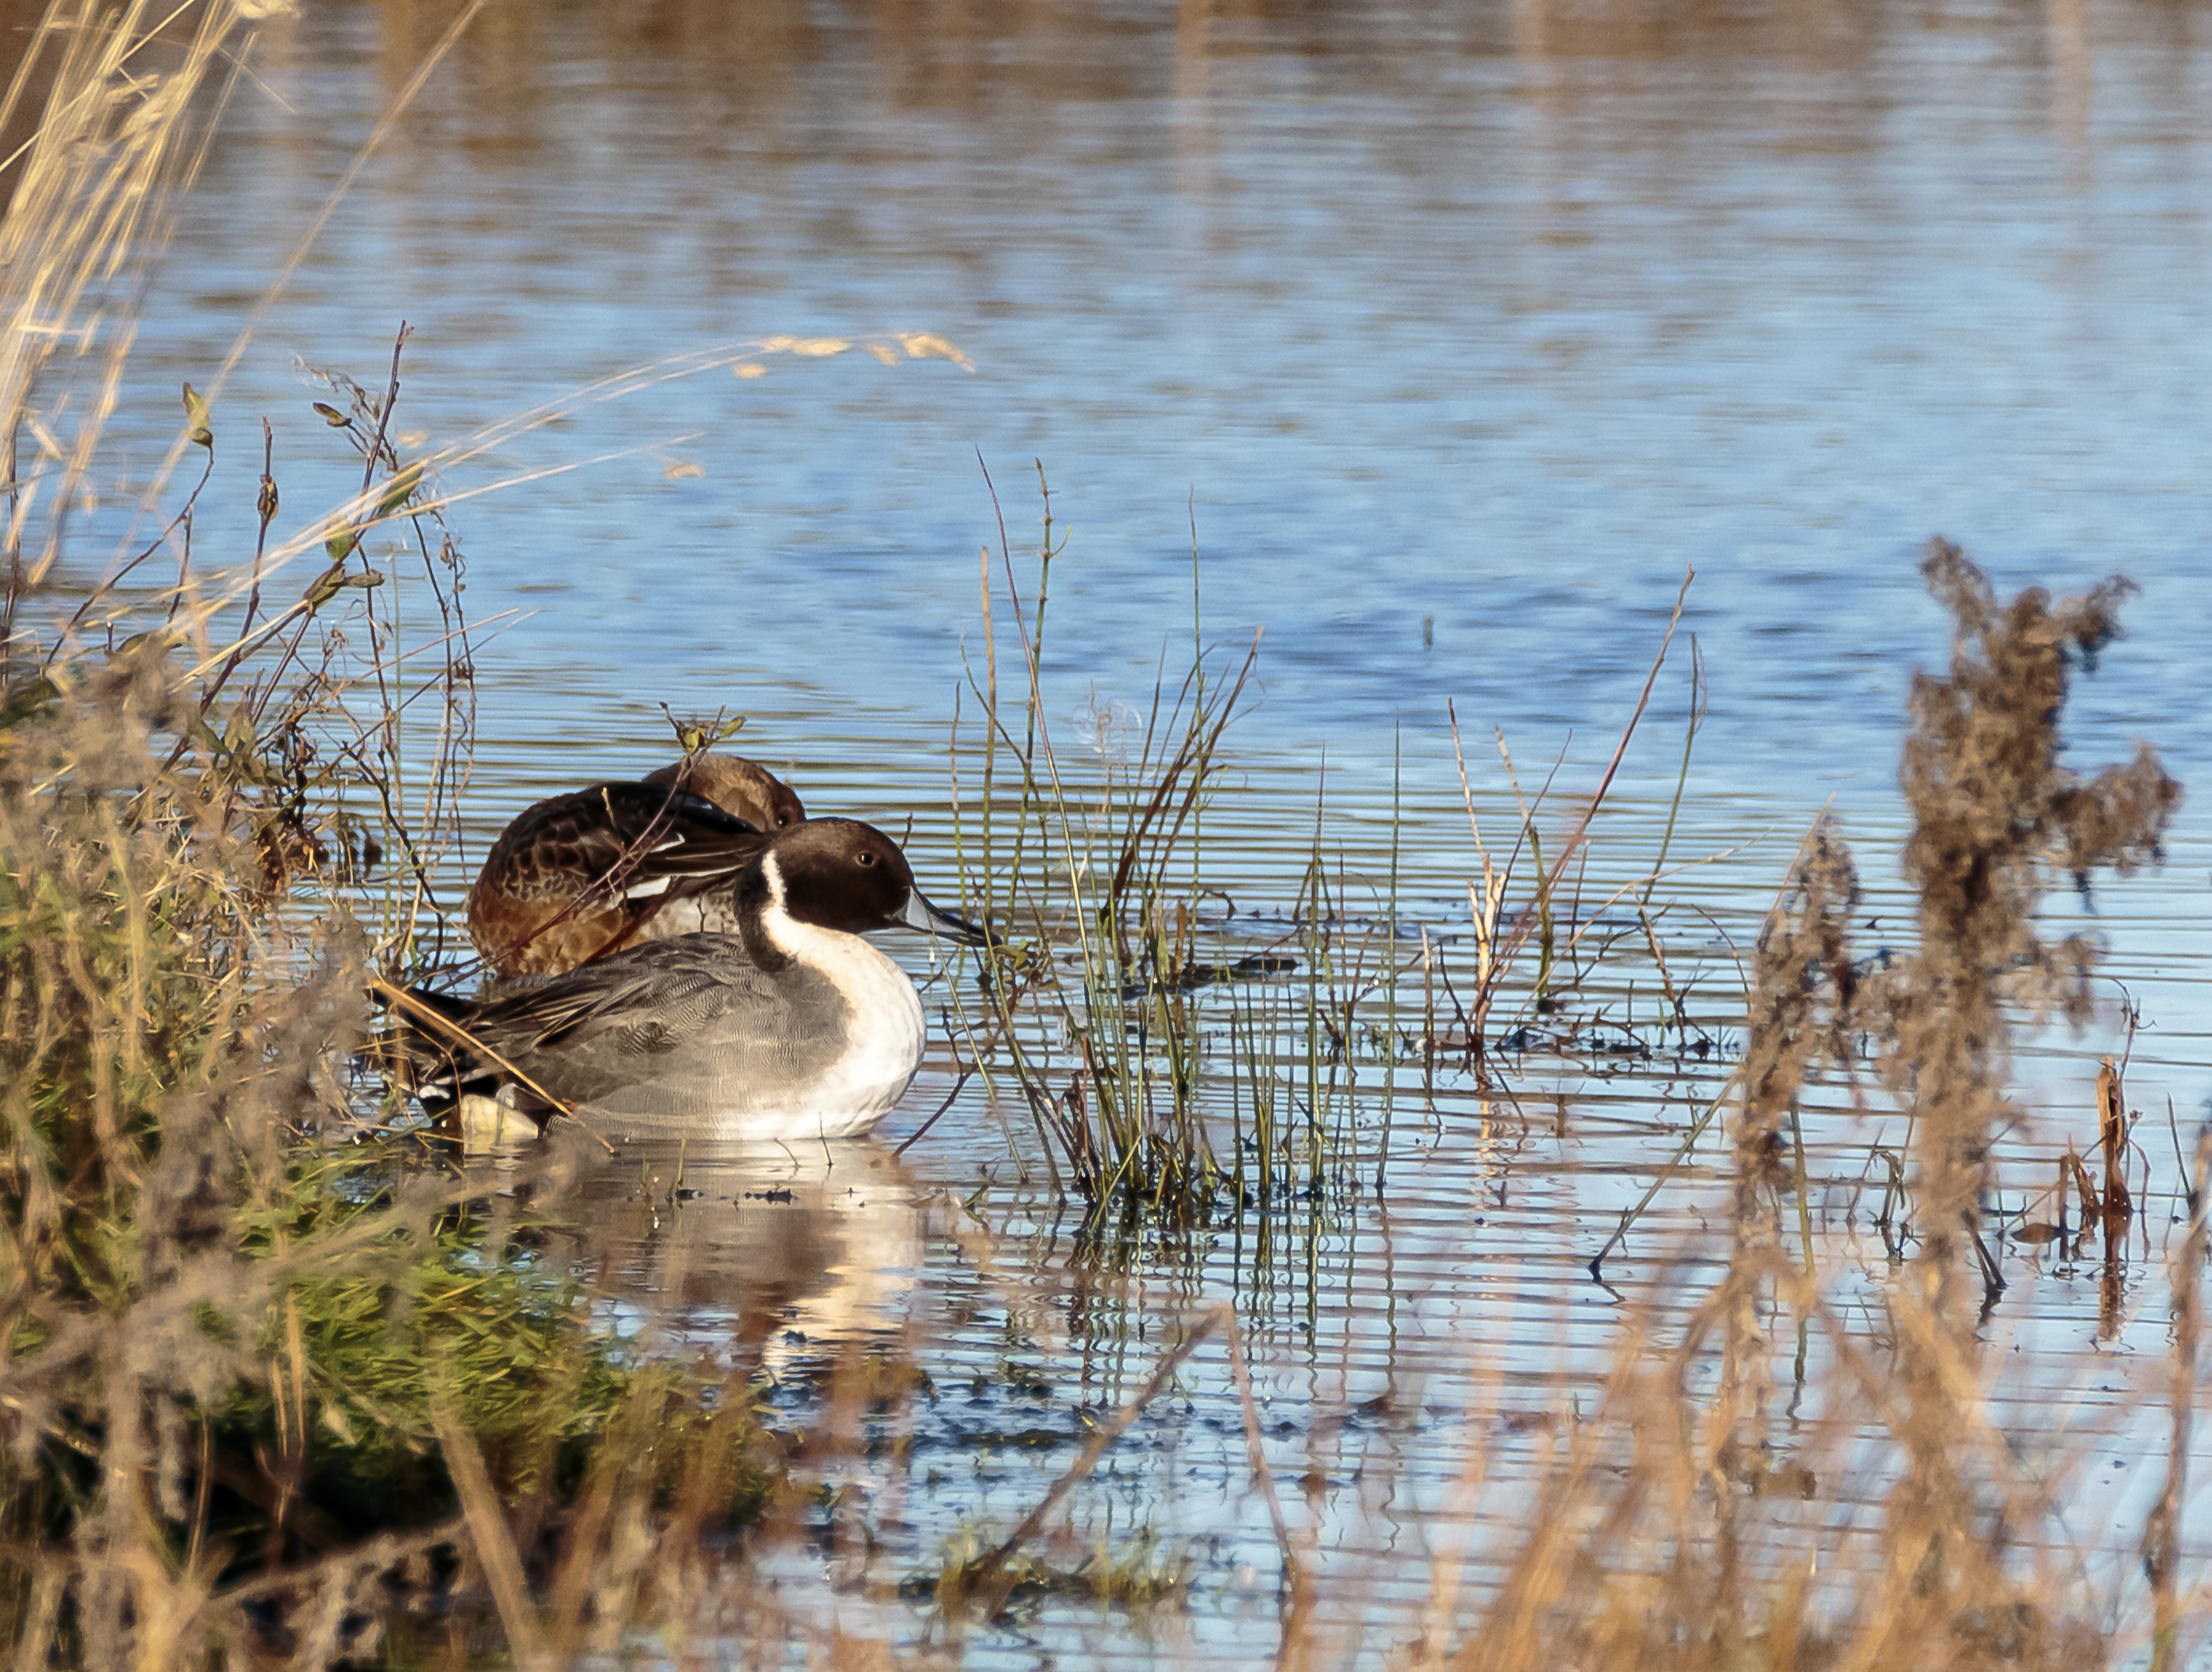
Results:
931 920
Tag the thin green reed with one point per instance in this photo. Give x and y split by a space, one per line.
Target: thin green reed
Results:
977 893
1390 962
1157 972
1197 702
1259 1080
1033 655
1192 1134
995 733
1546 935
1699 693
1126 1015
1316 951
1029 633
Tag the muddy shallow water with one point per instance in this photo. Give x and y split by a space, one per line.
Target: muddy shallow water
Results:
1450 336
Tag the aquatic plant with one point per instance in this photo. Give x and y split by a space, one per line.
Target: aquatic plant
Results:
1692 1503
1111 861
1103 1016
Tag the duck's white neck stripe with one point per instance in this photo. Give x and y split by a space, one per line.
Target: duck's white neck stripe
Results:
775 917
884 1027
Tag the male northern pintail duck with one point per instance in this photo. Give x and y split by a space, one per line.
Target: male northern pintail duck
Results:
587 873
791 1027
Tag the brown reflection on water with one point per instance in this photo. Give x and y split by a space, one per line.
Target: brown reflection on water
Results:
17 19
796 1252
737 62
1722 31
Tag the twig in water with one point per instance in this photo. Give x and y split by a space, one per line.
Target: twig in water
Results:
1689 1142
987 1575
967 1073
1294 1572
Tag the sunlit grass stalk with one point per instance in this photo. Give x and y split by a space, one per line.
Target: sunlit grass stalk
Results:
2162 1535
1317 943
91 208
1126 1123
1391 971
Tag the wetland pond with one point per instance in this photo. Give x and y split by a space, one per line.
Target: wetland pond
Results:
1430 344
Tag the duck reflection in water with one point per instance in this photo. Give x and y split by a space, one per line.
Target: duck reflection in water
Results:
797 1253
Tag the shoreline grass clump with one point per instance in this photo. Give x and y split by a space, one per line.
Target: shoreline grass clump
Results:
269 1384
1111 859
257 1367
273 1383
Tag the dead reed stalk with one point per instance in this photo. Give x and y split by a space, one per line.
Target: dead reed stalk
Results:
2162 1537
1996 819
1654 1549
1803 1011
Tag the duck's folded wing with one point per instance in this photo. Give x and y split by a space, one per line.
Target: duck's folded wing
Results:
607 1024
638 843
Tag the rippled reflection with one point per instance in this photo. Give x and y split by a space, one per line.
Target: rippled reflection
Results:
794 1253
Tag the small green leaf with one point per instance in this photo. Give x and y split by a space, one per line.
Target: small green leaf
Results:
266 502
195 724
153 641
696 736
324 586
331 415
196 415
341 544
400 489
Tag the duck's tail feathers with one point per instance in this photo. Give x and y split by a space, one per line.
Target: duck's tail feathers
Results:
425 1051
429 1052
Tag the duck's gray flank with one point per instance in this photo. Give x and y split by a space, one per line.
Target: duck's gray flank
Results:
791 1027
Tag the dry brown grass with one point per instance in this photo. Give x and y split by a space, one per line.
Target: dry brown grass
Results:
271 1386
1686 1531
132 94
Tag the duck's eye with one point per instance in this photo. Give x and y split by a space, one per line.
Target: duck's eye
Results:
866 857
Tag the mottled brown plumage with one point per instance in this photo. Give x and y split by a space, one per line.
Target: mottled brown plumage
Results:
581 875
738 786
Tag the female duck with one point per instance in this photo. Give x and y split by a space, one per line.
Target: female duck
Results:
581 875
791 1027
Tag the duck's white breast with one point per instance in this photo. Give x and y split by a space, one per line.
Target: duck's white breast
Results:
883 1027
